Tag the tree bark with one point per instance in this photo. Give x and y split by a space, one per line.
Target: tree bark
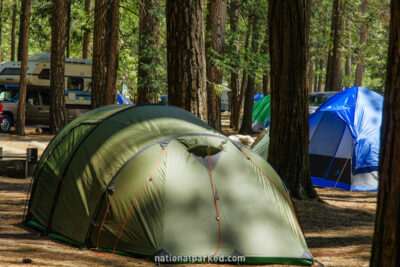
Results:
334 69
58 115
186 56
288 149
362 43
105 52
216 29
242 95
243 86
265 79
99 47
149 31
347 64
20 43
321 67
110 92
316 71
386 242
249 93
310 69
68 28
347 69
266 83
310 75
13 25
234 79
86 36
1 29
24 34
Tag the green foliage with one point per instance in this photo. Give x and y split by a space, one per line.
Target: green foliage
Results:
375 49
238 54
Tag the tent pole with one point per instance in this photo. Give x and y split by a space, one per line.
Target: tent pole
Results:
334 155
340 175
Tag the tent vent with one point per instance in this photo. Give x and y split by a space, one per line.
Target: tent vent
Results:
202 150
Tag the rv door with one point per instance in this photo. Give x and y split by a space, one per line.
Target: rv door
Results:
32 108
44 111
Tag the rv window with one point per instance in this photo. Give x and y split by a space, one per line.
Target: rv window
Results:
33 96
75 84
11 71
9 96
44 74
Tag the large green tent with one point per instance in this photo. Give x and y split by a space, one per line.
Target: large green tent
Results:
153 181
261 113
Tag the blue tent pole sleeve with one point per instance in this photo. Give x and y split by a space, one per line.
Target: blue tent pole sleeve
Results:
334 155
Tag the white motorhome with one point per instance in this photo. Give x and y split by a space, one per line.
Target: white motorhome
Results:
78 73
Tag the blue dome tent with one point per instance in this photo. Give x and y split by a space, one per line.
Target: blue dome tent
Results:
345 140
258 97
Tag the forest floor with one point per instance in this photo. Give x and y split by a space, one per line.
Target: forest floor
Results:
338 231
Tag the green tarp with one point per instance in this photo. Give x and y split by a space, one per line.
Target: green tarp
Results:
262 110
154 180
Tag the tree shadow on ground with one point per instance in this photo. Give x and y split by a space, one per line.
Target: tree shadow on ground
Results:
315 216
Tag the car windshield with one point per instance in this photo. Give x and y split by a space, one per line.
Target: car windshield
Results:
9 96
318 99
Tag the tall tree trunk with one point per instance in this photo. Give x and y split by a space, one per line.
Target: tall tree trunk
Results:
86 36
362 43
288 149
234 79
386 242
266 83
110 92
249 94
1 29
216 28
186 63
310 69
316 71
333 80
265 78
58 115
347 69
99 47
20 43
242 95
240 106
68 28
347 64
310 75
13 25
24 34
149 31
321 68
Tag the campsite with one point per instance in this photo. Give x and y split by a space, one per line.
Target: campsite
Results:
199 132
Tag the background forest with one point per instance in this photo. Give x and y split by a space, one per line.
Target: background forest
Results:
361 26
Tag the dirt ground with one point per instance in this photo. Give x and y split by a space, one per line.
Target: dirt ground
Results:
338 232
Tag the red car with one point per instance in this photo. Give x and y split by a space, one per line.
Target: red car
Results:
1 112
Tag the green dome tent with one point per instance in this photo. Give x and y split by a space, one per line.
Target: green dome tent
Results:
261 114
152 181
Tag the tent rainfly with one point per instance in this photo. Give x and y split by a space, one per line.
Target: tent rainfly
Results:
261 114
151 181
